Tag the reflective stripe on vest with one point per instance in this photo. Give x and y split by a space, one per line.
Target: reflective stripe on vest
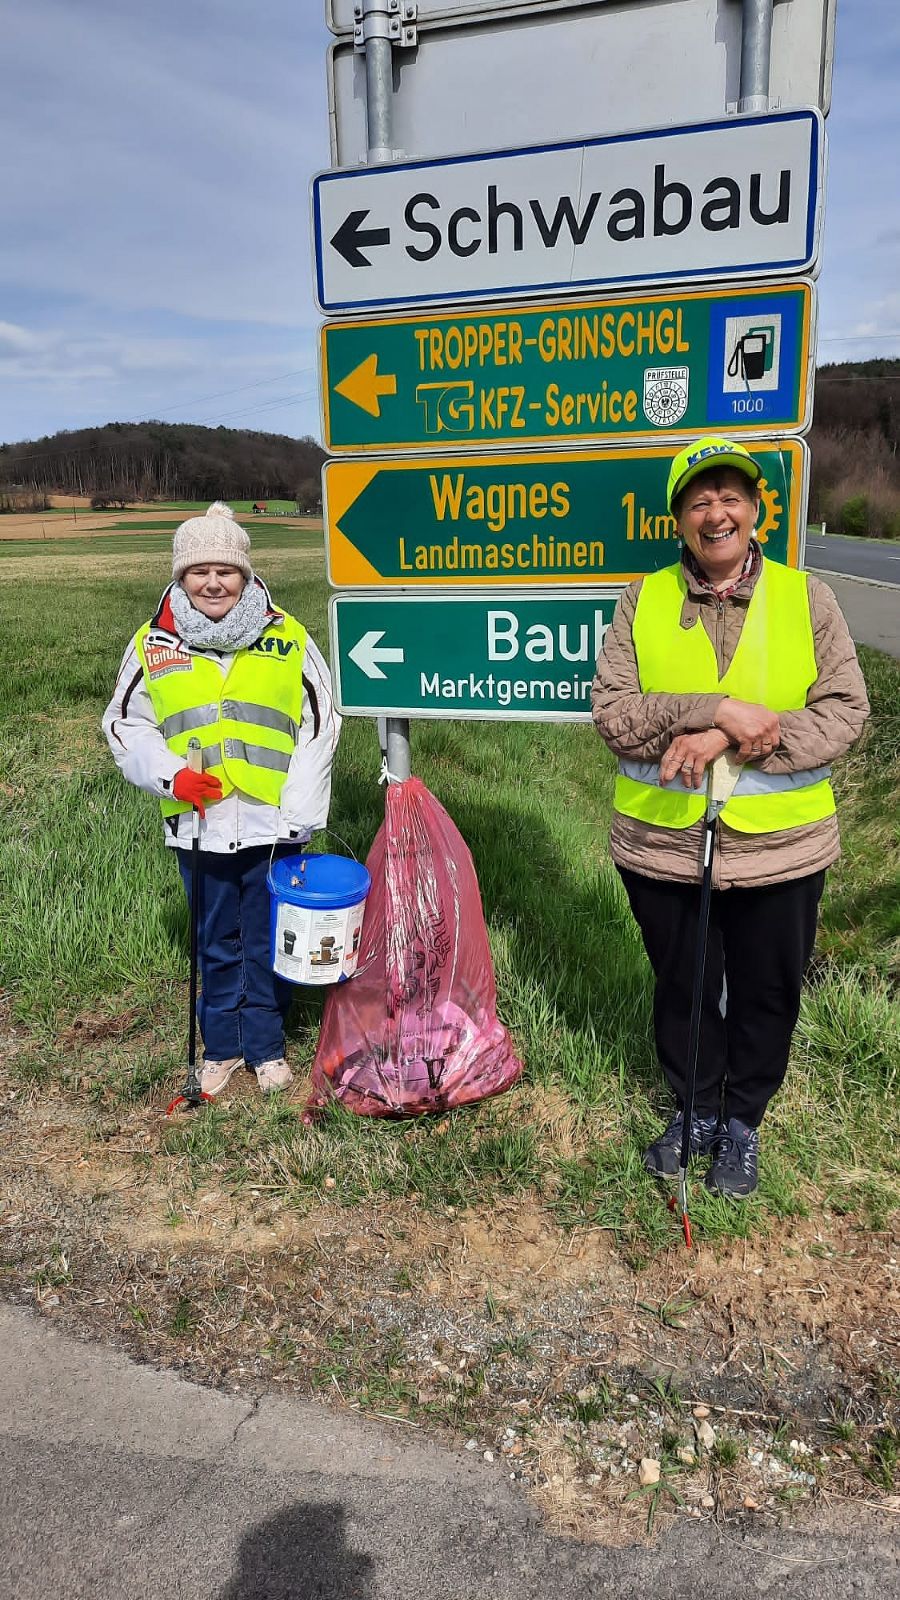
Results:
774 665
247 721
240 710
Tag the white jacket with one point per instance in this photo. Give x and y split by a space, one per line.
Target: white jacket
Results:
237 821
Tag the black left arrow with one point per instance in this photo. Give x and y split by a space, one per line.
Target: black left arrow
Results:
351 235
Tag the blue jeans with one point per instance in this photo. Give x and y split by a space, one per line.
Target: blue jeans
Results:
243 1003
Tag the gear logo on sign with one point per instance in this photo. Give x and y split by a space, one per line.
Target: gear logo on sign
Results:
666 395
771 512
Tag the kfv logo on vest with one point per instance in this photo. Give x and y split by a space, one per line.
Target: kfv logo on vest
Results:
277 648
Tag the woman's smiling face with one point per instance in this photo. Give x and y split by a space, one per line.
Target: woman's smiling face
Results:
213 588
716 518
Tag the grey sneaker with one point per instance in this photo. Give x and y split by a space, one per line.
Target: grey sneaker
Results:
273 1075
215 1074
664 1154
734 1164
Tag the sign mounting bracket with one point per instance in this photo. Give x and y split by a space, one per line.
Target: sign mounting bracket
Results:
394 20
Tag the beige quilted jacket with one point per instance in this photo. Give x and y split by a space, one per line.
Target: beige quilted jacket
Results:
640 727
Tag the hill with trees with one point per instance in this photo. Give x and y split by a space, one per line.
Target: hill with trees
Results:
855 466
146 461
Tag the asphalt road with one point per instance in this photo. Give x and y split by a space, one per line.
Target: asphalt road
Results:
864 558
120 1481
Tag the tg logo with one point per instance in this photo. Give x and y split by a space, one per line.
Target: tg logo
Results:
449 407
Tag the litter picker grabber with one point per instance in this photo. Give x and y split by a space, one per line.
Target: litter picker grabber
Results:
722 775
192 1094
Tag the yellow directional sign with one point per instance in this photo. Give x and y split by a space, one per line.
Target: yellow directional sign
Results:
729 359
586 517
364 386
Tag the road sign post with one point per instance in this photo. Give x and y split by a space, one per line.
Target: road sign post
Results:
507 657
538 70
733 199
734 360
571 312
573 519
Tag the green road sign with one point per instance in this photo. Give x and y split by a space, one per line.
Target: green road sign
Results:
502 657
543 518
731 361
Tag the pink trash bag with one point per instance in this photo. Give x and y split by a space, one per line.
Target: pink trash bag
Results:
416 1029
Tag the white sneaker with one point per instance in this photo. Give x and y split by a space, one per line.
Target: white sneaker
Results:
215 1074
273 1075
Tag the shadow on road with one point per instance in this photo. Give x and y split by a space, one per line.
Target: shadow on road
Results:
300 1553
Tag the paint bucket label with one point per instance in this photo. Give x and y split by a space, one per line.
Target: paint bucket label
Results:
317 945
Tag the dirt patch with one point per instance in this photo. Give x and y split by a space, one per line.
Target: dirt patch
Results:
758 1378
88 524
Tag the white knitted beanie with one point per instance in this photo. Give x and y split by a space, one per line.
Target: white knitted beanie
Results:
216 536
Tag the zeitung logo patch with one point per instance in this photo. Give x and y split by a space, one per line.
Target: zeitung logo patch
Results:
162 659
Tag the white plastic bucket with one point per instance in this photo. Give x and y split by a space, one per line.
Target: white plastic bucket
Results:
317 904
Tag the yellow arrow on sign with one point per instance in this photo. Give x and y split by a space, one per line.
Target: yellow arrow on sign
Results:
363 386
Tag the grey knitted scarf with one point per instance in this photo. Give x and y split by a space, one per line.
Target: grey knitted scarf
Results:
240 626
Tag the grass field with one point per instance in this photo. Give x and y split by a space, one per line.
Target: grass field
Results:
148 537
93 921
507 1274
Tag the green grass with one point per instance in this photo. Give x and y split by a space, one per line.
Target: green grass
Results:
93 934
143 541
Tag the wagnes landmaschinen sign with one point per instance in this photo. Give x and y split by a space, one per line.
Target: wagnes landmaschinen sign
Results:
507 657
548 518
730 199
736 360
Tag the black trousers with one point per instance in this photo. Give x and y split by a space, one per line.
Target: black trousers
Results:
760 941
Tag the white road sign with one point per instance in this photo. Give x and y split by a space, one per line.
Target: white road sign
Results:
726 199
526 74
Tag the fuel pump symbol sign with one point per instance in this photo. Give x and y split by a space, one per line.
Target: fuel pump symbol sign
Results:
752 354
760 371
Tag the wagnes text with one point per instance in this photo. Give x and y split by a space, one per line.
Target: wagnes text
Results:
495 505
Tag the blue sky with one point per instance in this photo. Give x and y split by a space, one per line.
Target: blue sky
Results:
155 257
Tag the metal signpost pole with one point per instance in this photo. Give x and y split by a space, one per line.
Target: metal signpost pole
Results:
375 19
756 44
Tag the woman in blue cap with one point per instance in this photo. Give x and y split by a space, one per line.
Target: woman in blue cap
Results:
726 650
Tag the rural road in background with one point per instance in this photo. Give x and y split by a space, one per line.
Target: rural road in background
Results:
872 607
119 1480
864 558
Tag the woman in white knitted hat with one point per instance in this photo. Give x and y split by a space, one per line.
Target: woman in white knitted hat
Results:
220 663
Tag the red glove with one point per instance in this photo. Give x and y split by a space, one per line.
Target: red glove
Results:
195 788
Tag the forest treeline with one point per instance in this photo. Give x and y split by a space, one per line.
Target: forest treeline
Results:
855 485
855 482
128 462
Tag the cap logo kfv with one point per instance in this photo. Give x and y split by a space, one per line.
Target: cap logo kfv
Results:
710 450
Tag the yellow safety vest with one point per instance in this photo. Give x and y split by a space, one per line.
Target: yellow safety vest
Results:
247 721
773 665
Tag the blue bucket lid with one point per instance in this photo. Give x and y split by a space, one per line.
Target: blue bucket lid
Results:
328 882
